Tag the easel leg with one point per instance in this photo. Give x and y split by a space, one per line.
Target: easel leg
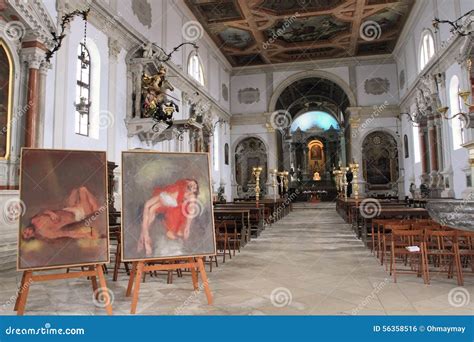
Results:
136 290
132 278
24 293
103 286
20 290
194 275
205 282
94 282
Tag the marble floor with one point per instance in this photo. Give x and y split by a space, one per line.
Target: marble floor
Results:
309 263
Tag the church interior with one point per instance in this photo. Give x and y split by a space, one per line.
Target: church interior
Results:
326 148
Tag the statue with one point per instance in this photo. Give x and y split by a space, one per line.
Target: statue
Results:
148 50
153 91
316 176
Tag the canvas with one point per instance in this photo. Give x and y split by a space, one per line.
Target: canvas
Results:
166 206
64 219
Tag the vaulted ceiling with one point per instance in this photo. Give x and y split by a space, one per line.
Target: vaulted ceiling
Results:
252 32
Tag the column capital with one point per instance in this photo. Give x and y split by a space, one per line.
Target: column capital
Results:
33 56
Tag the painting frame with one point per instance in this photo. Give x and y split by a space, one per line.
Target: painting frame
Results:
106 198
124 214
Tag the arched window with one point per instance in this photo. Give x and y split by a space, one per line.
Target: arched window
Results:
426 48
83 89
455 106
195 68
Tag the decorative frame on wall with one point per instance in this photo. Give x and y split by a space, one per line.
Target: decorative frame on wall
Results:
6 60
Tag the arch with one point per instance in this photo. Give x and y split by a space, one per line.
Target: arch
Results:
249 152
309 74
381 161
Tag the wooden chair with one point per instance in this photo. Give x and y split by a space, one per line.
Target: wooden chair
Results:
441 247
222 240
465 245
234 234
375 232
386 237
400 240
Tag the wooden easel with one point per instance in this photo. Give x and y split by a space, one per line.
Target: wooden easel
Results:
139 267
94 272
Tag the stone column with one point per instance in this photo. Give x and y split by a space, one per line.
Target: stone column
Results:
43 74
424 166
33 57
114 51
433 142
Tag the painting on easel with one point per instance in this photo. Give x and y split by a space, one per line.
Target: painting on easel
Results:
64 198
166 206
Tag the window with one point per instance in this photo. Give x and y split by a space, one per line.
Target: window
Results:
455 106
416 144
195 68
427 48
405 145
226 154
83 77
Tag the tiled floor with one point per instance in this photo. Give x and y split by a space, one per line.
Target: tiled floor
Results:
310 261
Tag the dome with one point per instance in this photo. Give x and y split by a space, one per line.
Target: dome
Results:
314 120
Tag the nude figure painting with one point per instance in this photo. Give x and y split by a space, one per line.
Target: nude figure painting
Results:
64 196
166 205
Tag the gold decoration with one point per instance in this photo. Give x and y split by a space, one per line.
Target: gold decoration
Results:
256 173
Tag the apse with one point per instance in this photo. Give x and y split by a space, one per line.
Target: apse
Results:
314 120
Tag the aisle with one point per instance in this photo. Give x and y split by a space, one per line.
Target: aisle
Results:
310 261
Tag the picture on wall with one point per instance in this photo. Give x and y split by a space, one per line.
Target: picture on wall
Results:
166 205
64 218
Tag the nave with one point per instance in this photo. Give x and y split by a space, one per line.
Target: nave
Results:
308 263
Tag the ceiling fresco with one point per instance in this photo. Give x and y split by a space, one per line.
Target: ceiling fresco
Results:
253 32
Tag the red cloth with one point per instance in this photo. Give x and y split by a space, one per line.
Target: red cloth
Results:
174 217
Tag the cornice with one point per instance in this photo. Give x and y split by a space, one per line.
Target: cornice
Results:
313 65
35 17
